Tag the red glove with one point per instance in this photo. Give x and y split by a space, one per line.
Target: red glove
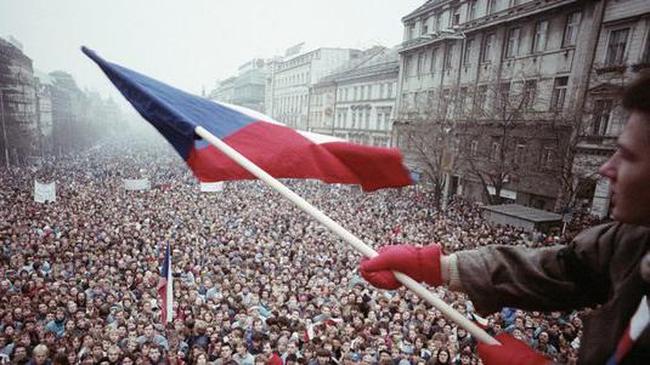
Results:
511 351
420 263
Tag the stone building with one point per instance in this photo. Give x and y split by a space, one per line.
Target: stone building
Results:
43 86
19 136
356 102
225 90
622 50
293 76
247 89
505 85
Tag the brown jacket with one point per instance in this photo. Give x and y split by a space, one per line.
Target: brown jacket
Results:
600 267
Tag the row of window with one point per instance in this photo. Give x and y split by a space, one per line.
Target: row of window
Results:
291 104
384 90
453 17
299 60
520 154
460 103
362 118
514 47
295 79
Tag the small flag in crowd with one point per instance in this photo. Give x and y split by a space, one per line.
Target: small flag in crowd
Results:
279 150
638 324
166 289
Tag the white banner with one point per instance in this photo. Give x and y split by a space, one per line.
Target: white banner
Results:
211 187
136 184
44 192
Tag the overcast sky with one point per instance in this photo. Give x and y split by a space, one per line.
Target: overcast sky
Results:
191 43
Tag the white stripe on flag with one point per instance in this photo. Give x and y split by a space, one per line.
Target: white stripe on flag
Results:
640 319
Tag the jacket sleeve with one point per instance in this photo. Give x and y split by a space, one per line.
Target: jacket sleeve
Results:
551 278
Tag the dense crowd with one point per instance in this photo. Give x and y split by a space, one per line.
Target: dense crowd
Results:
255 280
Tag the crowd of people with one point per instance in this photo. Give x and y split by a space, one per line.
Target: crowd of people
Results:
255 280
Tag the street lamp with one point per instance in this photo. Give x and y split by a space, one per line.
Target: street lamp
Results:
4 127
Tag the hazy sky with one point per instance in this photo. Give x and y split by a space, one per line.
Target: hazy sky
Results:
191 43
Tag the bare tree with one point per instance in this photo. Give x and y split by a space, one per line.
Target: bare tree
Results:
426 134
523 144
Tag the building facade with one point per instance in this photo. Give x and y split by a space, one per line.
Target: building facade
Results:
357 101
293 77
17 105
247 89
622 50
507 80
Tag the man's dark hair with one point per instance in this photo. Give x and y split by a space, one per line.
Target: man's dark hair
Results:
637 95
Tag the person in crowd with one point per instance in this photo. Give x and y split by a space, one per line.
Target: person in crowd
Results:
80 275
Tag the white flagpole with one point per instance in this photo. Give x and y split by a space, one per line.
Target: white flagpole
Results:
344 234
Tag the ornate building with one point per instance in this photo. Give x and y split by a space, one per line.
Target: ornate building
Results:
508 87
292 77
356 102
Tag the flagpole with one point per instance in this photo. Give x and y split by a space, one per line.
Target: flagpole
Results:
344 234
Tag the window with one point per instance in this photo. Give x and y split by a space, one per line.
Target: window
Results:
390 90
449 49
473 148
539 37
425 27
462 98
434 60
421 63
438 20
455 17
354 118
367 124
616 46
362 92
646 53
491 6
381 91
411 31
571 29
520 154
468 51
504 93
481 98
530 91
602 114
471 10
407 65
559 93
547 157
486 52
512 45
444 103
495 152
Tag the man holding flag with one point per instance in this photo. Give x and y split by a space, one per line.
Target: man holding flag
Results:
607 265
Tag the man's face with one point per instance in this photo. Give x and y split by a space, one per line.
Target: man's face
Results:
113 355
40 358
629 172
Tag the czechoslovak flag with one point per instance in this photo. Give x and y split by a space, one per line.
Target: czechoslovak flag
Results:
279 150
166 289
